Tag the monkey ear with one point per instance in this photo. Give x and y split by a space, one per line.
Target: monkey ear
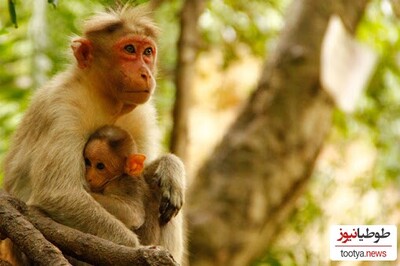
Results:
135 164
82 51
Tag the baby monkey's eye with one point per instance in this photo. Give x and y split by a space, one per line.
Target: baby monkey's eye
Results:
87 162
100 166
130 48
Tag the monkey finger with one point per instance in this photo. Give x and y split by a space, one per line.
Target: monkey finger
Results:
167 210
168 215
172 194
164 205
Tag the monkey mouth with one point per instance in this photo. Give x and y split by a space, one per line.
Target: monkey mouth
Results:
137 96
140 91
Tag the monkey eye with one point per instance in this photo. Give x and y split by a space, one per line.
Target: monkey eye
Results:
87 162
148 51
130 48
100 166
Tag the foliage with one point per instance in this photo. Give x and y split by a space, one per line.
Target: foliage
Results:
12 12
379 111
228 24
13 73
367 139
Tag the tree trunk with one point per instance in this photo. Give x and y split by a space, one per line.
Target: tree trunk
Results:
187 52
248 187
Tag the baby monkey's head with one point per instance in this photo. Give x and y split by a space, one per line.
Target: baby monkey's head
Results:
109 153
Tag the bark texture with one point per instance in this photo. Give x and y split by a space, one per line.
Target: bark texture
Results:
44 241
188 46
248 188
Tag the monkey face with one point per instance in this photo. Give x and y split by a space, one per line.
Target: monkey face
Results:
136 60
102 165
124 70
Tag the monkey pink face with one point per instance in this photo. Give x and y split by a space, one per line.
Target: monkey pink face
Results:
101 164
136 58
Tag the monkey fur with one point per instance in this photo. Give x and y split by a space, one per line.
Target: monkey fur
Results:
111 83
109 155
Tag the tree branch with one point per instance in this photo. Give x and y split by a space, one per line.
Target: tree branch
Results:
47 238
265 160
14 225
188 46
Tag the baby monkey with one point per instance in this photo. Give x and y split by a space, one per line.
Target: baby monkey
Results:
114 174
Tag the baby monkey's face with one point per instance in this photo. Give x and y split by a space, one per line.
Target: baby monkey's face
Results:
102 164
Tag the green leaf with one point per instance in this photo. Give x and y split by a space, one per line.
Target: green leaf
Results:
13 13
53 2
3 31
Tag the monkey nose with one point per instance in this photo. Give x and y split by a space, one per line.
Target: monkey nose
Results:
144 73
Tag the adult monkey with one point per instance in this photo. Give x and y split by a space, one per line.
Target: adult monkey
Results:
111 83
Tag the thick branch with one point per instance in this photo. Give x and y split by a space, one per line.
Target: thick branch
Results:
14 225
18 221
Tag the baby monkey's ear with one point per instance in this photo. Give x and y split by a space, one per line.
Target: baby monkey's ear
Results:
135 164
